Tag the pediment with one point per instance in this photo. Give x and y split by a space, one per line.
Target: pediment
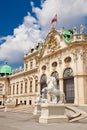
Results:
52 42
53 39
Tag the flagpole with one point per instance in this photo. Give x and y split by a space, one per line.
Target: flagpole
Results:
54 20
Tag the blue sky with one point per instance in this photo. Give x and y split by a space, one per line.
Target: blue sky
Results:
25 22
12 13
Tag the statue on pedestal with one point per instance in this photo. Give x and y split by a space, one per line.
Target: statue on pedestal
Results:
56 95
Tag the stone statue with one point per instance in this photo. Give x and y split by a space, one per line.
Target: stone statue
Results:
56 95
10 99
75 30
81 29
9 103
38 99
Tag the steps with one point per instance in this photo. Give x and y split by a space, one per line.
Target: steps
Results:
73 113
2 108
76 113
22 108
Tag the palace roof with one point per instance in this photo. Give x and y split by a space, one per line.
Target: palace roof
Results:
6 69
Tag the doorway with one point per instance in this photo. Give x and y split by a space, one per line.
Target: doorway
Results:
43 84
68 81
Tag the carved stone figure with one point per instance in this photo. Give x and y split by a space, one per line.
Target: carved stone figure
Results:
55 94
38 99
10 100
75 30
81 29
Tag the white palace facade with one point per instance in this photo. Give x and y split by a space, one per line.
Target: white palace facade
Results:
63 55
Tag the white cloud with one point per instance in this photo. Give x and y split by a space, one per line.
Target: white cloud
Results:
70 13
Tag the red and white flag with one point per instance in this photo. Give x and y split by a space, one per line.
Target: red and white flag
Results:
54 19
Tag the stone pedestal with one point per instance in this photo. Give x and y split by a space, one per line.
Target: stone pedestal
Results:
53 113
11 105
37 109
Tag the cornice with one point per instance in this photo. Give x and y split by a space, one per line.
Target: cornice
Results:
30 55
23 73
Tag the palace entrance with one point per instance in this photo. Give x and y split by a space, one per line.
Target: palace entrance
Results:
68 81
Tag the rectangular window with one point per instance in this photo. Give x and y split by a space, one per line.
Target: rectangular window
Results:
9 90
21 88
25 87
17 88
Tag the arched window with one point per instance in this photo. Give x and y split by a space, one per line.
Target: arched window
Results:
43 82
68 81
68 73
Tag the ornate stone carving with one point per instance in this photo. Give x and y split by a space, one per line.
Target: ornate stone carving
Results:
81 29
60 59
75 54
56 95
68 73
83 55
75 30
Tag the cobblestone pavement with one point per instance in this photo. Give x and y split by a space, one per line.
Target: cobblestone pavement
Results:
22 121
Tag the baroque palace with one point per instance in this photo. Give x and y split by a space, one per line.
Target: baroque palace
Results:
63 55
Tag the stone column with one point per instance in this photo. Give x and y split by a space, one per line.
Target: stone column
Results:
61 83
76 90
33 84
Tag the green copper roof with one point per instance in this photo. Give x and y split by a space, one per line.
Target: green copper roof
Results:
6 69
67 34
0 70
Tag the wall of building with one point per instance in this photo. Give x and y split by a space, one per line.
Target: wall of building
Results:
24 85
